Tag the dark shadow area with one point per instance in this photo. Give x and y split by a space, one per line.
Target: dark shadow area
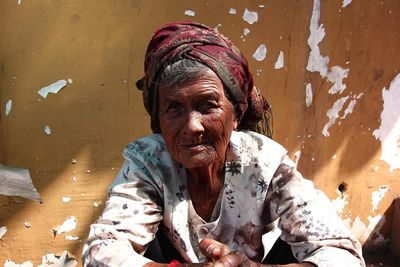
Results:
377 249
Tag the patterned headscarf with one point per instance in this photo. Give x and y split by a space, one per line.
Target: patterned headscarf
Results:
190 40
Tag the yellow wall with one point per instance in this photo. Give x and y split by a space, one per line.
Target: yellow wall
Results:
100 46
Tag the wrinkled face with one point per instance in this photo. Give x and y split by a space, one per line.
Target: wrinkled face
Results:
196 121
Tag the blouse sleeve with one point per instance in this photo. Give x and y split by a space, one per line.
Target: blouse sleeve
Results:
130 219
309 223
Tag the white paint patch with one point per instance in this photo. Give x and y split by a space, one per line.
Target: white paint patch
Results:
297 156
260 53
333 114
336 75
51 260
70 81
346 3
316 62
53 88
19 2
377 196
96 204
351 105
47 129
232 11
389 130
261 6
190 13
216 28
10 263
250 16
246 31
27 225
66 199
70 237
280 61
309 94
8 107
68 225
3 231
349 109
340 203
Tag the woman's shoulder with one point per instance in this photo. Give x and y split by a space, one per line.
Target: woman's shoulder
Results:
147 145
256 142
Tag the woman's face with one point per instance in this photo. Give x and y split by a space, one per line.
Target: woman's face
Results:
196 121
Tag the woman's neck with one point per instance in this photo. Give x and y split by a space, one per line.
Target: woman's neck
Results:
204 187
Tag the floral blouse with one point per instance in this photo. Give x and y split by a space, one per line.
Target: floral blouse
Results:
263 197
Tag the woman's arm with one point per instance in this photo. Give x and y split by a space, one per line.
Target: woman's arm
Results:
309 223
129 221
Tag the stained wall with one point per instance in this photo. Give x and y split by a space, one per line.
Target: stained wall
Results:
329 71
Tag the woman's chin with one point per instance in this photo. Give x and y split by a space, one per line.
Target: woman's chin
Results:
201 160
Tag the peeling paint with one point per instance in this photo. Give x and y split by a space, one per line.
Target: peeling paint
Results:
8 107
66 199
232 11
10 263
246 31
333 114
52 260
389 130
53 88
351 105
70 81
340 203
27 225
297 156
250 16
216 28
47 129
346 3
68 225
96 204
309 95
260 53
280 61
17 182
19 2
336 75
3 231
71 238
317 62
377 196
190 13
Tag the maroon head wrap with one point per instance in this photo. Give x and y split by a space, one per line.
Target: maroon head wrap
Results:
196 41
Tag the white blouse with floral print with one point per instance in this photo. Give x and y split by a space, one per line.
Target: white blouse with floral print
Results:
262 191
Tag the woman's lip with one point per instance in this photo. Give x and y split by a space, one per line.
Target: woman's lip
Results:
194 146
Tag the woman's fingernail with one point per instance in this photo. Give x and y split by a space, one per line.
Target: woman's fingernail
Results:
213 249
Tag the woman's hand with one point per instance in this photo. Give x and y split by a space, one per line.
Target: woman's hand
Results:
219 255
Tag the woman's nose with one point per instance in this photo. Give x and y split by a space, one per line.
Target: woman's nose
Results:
193 123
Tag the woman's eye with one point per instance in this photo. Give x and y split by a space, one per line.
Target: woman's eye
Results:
208 105
173 107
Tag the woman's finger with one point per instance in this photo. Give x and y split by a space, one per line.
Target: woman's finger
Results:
213 249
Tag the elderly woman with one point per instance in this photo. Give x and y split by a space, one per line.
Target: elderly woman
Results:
219 192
